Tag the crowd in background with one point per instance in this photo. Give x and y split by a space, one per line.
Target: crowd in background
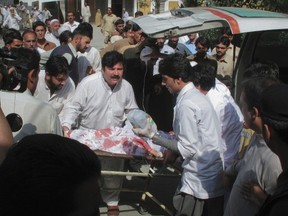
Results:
63 83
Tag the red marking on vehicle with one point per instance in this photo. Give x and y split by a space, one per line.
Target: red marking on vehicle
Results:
233 23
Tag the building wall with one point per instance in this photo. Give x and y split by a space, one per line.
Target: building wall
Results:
172 4
7 2
144 6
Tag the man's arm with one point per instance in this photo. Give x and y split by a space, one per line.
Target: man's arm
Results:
169 144
74 108
56 125
18 17
6 21
69 89
6 137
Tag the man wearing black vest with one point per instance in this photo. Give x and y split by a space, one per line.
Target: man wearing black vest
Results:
81 38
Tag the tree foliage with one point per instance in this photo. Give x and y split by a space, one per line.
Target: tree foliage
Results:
270 5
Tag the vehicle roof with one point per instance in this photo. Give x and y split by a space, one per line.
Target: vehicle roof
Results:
186 20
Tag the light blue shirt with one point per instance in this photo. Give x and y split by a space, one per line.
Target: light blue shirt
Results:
192 47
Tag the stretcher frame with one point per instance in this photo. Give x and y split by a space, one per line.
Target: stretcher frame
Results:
148 175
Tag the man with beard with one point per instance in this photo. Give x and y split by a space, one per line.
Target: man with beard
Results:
118 34
52 33
101 101
54 85
81 38
71 24
178 47
29 115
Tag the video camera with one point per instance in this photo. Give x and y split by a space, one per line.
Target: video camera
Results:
11 73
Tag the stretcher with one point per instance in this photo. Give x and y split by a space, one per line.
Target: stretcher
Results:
122 143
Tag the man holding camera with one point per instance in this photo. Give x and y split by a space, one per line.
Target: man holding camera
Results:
26 114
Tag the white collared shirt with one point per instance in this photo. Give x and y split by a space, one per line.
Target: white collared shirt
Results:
38 116
97 105
73 26
50 37
197 130
59 98
91 57
231 121
12 22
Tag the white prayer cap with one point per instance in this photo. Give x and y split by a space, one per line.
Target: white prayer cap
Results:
54 20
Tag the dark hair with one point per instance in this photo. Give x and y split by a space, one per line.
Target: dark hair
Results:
27 31
71 12
118 22
10 35
41 174
273 109
56 65
127 27
176 66
49 19
65 36
280 127
204 74
258 69
224 40
227 31
203 41
253 88
138 13
38 23
135 27
150 42
111 58
83 29
26 58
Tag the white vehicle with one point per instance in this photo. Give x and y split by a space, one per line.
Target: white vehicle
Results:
266 37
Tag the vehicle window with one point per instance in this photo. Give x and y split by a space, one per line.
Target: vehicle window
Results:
273 46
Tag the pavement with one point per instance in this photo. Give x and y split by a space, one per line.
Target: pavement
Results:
160 188
98 39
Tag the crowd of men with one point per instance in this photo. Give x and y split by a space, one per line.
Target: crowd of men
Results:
57 82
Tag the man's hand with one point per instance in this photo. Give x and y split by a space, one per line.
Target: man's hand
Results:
169 156
146 132
254 193
65 131
228 181
89 70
